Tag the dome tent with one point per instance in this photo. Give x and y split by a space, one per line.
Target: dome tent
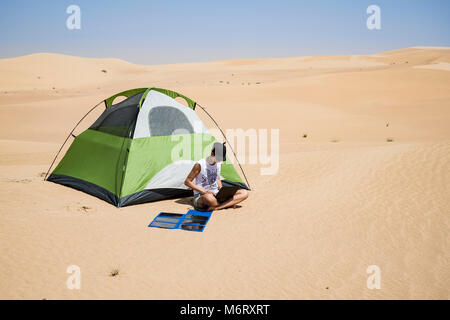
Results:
131 154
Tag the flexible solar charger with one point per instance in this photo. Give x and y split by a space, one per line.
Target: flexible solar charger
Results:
193 220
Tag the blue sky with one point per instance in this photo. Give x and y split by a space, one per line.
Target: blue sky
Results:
155 32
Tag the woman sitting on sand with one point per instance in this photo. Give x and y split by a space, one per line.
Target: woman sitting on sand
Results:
206 173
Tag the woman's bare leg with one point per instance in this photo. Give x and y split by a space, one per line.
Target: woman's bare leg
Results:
207 201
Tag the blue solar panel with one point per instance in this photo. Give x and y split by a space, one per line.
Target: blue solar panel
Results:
193 220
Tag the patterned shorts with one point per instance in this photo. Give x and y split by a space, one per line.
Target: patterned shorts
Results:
196 197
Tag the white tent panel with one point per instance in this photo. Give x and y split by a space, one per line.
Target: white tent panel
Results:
172 176
163 115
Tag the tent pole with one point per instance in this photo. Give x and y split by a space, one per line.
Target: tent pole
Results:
242 170
70 134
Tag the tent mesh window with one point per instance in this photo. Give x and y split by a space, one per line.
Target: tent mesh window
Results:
165 121
118 119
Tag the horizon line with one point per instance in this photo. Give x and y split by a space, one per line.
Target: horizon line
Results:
231 59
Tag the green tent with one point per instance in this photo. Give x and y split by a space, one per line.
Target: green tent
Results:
140 150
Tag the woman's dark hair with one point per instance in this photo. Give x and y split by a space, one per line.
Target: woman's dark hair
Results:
220 151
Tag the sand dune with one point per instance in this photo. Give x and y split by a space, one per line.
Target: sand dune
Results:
444 66
48 71
368 185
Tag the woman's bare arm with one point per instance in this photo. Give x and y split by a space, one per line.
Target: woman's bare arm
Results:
219 183
190 178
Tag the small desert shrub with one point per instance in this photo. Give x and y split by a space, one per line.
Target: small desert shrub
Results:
104 71
114 272
390 140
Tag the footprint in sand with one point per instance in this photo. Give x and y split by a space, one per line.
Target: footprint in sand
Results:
19 180
83 209
86 209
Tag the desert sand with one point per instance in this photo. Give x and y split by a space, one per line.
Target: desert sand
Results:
364 179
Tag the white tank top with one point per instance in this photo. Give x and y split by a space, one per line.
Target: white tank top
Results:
208 176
